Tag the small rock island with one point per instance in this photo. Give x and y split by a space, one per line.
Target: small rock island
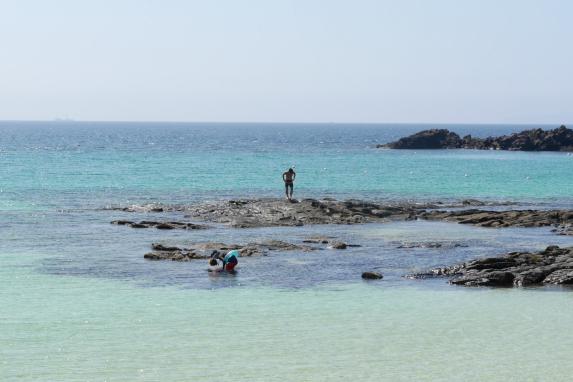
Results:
560 139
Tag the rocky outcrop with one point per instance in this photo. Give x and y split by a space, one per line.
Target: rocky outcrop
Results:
206 250
159 225
428 139
560 139
561 219
278 212
553 265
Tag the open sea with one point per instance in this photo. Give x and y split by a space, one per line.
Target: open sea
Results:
79 303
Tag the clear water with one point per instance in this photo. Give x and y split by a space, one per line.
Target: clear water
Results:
79 303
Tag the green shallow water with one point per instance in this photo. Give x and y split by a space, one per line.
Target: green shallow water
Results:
73 329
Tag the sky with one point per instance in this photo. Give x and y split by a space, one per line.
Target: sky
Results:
366 61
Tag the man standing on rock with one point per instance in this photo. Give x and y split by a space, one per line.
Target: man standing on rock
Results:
288 178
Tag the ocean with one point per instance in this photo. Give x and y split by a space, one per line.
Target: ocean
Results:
79 303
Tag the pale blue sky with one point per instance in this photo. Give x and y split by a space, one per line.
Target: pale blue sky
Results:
482 61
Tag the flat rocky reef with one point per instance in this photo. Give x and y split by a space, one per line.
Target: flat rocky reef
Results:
208 249
252 213
553 265
561 220
560 139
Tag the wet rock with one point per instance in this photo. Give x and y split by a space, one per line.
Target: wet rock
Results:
206 250
554 265
372 275
564 229
122 222
150 207
161 247
160 225
500 219
431 245
560 277
495 278
174 256
318 239
337 245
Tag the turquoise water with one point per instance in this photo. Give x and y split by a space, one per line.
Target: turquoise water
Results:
72 329
79 303
59 166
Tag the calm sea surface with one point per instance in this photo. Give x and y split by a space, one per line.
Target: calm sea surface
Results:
79 303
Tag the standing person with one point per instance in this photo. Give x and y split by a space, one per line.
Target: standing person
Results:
288 178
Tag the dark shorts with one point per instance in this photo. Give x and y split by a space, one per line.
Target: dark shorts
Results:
289 184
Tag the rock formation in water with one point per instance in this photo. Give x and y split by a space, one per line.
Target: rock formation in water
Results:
561 220
206 250
553 265
159 225
560 139
278 212
369 275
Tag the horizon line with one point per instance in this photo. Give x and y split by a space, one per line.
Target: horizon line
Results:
72 121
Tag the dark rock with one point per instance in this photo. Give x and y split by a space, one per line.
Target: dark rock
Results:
174 256
276 212
428 139
560 277
337 245
160 225
122 222
431 245
164 226
206 250
560 139
508 218
495 278
161 247
554 265
372 275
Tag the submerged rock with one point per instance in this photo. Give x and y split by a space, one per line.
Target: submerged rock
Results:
560 139
160 225
337 245
431 245
372 275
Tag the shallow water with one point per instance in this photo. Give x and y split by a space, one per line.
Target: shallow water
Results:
101 329
79 302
